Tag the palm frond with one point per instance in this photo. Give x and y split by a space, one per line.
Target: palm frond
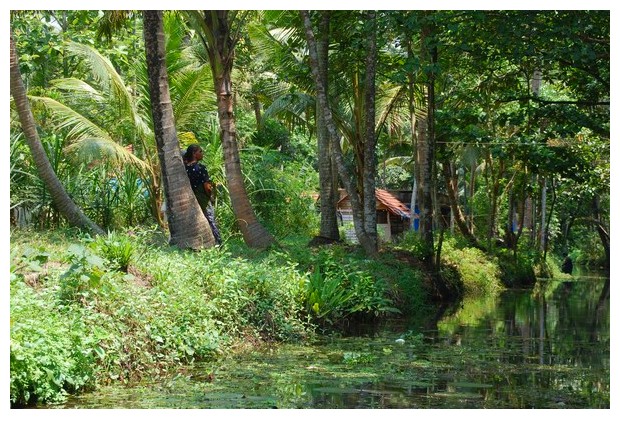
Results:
344 122
279 47
401 161
271 87
294 109
91 149
271 44
392 107
192 92
105 75
78 86
176 32
296 103
66 119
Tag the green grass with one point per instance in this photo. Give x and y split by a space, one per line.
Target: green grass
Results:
480 274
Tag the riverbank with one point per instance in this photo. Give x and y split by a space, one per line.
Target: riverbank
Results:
542 348
87 313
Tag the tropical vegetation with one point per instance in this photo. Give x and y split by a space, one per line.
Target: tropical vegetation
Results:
496 122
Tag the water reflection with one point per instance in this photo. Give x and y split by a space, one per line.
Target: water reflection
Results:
542 348
556 324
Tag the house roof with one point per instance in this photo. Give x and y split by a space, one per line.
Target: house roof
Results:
391 203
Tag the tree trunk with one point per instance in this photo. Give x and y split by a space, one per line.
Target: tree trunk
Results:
221 48
63 202
427 161
328 192
601 229
414 202
521 221
459 218
345 176
509 237
550 215
496 178
188 225
532 211
423 179
411 81
472 191
543 213
369 167
258 114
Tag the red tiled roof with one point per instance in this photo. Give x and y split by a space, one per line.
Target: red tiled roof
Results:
392 203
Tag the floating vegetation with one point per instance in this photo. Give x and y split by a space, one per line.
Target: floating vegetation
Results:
498 362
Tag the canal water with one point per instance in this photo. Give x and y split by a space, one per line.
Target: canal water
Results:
543 348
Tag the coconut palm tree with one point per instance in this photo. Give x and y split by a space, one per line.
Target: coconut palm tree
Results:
279 42
362 218
106 119
284 46
63 202
188 226
102 121
219 32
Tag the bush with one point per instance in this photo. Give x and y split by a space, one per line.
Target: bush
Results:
479 274
411 241
85 325
117 249
51 353
516 273
259 298
342 285
83 276
77 323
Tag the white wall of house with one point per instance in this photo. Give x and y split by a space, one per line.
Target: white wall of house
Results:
383 229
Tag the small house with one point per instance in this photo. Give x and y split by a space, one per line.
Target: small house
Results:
393 216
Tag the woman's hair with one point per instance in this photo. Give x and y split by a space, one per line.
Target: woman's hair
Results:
188 156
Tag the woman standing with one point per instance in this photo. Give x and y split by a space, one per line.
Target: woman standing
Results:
201 185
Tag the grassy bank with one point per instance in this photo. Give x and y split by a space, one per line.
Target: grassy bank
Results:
88 312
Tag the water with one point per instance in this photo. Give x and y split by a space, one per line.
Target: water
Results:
546 348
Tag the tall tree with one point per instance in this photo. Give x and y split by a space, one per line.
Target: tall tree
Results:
219 31
369 168
366 238
426 141
63 201
280 42
188 226
328 180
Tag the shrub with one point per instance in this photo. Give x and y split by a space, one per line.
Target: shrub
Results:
117 249
326 298
341 285
479 274
81 324
411 241
83 275
261 296
51 354
516 273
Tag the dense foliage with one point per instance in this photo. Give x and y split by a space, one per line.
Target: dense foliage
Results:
517 104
